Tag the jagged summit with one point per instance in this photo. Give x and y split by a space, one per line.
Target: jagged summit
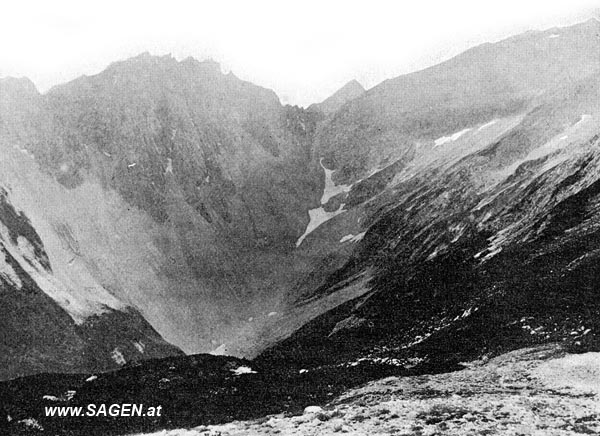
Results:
167 62
152 72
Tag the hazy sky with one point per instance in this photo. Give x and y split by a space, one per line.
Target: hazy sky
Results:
304 50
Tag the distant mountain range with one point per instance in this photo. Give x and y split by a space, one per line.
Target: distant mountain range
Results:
162 206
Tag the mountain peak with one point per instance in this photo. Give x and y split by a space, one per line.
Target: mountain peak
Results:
353 85
594 21
591 25
349 91
17 84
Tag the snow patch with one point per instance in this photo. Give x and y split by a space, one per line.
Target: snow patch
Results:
169 169
457 230
554 35
583 119
347 237
451 138
118 357
31 423
376 360
91 378
358 237
67 396
439 249
242 370
140 346
331 189
491 123
491 252
375 171
317 217
272 314
353 238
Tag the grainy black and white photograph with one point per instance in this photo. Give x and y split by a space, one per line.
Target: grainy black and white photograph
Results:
245 218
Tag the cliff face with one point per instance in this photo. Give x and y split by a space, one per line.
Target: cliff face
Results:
157 186
150 126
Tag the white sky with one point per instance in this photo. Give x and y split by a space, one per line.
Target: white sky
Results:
304 50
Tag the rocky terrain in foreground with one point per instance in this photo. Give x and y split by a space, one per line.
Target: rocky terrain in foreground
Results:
546 389
534 391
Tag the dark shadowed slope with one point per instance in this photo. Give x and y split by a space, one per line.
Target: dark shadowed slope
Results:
447 144
494 251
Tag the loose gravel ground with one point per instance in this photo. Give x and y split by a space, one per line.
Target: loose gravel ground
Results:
539 391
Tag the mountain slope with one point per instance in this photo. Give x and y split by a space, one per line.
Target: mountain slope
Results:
43 329
449 145
479 241
486 82
333 103
182 203
166 187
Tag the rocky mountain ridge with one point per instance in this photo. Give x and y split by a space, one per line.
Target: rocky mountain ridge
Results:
195 206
